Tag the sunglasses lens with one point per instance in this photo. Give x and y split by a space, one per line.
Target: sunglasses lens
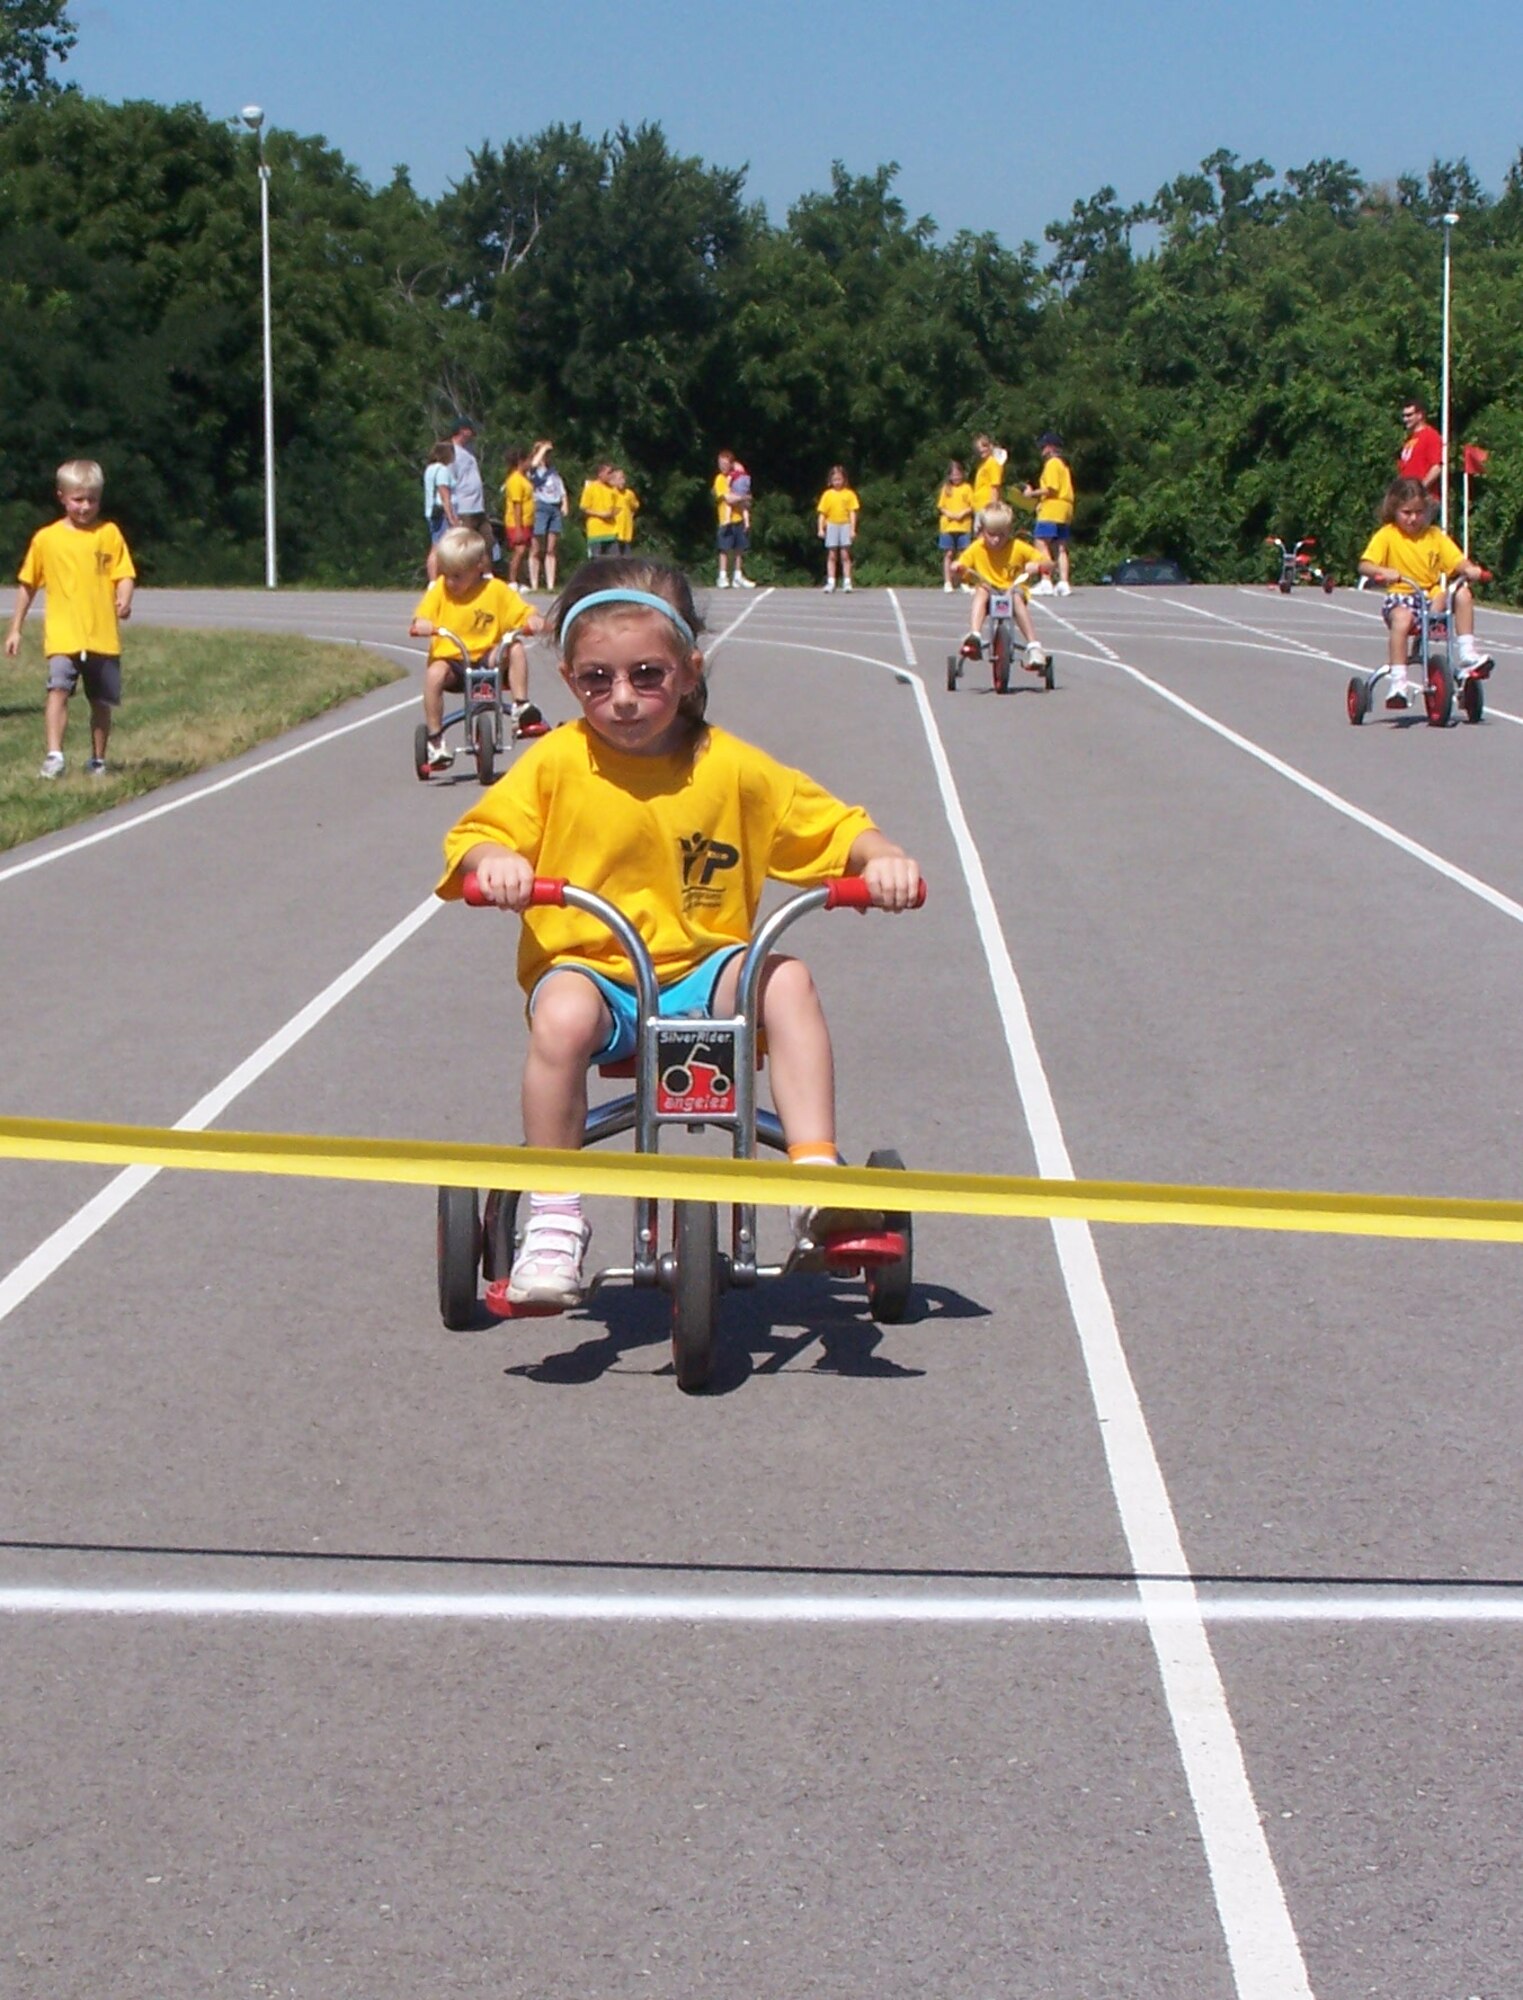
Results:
649 677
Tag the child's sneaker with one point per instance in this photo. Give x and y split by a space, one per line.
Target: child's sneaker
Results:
1036 656
526 717
723 582
830 583
972 648
440 756
948 588
96 768
51 765
1396 699
1065 588
743 582
814 1225
1475 661
548 1268
847 584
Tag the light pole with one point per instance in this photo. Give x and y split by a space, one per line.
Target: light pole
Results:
253 117
1449 221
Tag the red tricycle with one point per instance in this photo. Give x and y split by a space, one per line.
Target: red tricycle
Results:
1297 565
489 723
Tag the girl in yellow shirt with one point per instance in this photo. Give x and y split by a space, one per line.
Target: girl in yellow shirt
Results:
680 824
954 510
1409 556
837 510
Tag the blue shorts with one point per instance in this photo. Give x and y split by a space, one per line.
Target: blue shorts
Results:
1051 531
547 520
691 994
956 543
732 538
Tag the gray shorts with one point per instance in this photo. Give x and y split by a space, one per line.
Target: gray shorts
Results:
102 672
838 534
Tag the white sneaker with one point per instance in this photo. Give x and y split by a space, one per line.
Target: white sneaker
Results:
1042 587
847 584
548 1268
949 588
743 582
440 756
723 583
51 765
1065 589
830 583
1035 654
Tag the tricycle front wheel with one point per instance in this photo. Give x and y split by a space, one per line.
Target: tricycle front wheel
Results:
695 1291
889 1285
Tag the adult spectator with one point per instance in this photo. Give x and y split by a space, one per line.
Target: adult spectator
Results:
549 513
439 499
1422 456
734 507
470 494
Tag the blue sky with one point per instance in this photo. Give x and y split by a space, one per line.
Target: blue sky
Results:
999 128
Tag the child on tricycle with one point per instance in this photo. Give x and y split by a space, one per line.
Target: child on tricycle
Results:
1427 579
484 613
999 565
677 824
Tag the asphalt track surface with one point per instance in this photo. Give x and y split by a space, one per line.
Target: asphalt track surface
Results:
1141 1618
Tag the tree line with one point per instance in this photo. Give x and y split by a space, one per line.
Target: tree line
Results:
1226 361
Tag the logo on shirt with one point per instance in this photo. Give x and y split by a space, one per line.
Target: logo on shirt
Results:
702 860
102 562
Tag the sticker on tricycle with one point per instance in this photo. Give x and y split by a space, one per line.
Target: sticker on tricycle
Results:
695 1071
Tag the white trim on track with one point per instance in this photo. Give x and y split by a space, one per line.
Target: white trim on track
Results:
1396 1607
1261 1940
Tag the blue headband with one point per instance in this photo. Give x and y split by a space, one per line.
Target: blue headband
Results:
646 599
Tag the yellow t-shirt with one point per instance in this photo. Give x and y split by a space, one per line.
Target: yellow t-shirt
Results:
999 568
719 487
517 502
79 568
955 508
988 478
598 499
837 504
487 612
628 507
683 844
1057 484
1426 558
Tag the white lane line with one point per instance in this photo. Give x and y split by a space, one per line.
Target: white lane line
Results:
1260 1937
39 1265
121 826
1461 877
794 1608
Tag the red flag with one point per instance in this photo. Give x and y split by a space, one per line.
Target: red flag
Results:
1475 459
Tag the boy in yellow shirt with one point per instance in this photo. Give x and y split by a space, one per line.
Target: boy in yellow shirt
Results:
998 560
83 565
599 505
483 612
837 509
628 507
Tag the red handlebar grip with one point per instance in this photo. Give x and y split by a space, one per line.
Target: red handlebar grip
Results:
850 892
546 890
1485 577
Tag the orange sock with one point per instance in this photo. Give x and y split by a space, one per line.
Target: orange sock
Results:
815 1153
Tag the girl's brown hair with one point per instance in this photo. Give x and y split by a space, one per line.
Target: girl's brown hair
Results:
661 579
1400 493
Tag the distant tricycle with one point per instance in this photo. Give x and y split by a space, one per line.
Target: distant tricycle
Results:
1297 565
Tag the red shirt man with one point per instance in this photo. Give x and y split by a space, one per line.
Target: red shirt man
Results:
1422 456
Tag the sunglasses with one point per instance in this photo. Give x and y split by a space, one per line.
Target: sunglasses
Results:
598 683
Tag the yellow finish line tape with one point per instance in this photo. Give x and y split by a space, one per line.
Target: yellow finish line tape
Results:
676 1177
